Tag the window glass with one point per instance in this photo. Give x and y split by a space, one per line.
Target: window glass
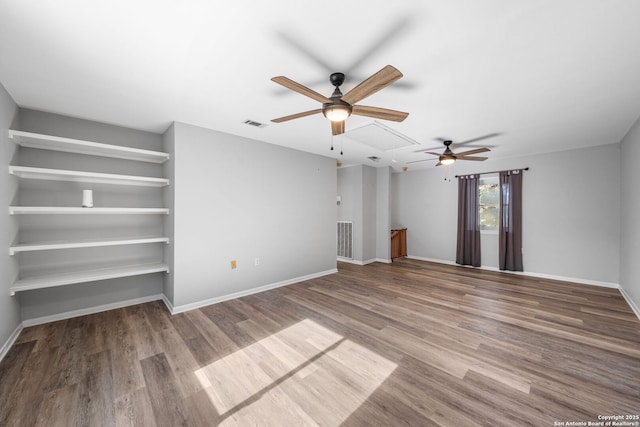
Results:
489 195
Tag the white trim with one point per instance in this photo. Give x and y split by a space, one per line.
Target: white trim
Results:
631 303
12 339
526 273
90 310
192 306
368 261
439 261
166 302
349 261
372 260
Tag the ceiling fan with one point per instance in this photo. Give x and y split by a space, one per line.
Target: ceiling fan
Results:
448 157
338 107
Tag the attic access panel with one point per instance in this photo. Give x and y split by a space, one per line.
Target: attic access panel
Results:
377 135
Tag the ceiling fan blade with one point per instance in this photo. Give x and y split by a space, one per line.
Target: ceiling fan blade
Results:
476 151
422 150
380 113
479 159
480 138
434 154
376 82
297 115
418 161
296 43
301 89
439 164
337 128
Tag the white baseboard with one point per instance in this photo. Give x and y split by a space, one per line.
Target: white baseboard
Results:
12 338
526 273
166 302
350 261
90 310
439 261
365 262
631 303
192 306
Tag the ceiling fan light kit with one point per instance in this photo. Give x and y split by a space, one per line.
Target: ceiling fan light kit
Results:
447 160
336 112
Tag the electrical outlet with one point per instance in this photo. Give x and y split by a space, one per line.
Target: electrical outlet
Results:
256 262
233 264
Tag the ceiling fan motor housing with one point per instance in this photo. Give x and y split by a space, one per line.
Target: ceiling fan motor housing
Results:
336 79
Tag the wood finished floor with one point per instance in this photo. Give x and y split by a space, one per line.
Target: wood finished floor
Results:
412 343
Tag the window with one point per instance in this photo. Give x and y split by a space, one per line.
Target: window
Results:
489 203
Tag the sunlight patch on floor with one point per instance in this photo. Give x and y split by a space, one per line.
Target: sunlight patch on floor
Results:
305 374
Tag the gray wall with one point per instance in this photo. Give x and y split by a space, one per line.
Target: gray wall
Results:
383 214
369 221
239 199
630 218
54 301
365 201
9 308
350 188
571 202
168 143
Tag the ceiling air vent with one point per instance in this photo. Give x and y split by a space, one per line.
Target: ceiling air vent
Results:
374 158
254 123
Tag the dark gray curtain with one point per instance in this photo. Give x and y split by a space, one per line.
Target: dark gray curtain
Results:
468 248
510 228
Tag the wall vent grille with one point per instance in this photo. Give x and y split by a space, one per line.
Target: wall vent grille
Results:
345 239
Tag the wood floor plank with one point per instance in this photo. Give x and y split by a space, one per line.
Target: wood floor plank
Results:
23 402
68 367
408 343
182 363
96 403
11 368
59 407
164 393
134 409
127 373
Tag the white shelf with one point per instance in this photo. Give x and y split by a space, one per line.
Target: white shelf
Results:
56 143
42 210
69 278
46 246
27 172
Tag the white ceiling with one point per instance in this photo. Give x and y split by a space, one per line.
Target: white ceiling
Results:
545 75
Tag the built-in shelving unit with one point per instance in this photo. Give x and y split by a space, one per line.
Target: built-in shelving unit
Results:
47 246
52 210
56 143
42 271
72 277
26 172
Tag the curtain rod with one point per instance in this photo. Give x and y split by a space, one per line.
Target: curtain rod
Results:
484 173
